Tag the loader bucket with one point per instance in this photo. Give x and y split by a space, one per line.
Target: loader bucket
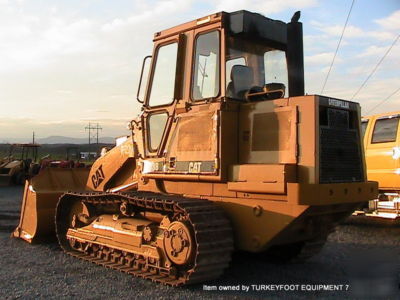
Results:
41 195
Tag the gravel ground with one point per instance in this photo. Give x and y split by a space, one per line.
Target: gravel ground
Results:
363 254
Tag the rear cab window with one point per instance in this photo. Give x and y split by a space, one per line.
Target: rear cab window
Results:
385 130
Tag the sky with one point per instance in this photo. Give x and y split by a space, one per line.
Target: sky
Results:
66 63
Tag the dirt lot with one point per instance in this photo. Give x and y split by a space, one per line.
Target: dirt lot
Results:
361 258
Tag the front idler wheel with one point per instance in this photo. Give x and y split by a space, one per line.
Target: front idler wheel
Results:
179 243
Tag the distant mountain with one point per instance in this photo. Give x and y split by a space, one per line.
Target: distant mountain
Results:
69 140
58 140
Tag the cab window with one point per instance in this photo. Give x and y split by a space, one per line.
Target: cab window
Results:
162 88
206 68
254 70
156 124
385 130
275 67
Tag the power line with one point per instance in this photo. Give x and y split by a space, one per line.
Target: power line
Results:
376 67
337 48
387 98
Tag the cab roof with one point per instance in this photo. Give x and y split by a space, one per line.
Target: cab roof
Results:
240 22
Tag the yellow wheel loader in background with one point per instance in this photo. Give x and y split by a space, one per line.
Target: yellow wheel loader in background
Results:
20 164
228 153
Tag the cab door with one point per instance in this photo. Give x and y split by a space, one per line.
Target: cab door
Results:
382 152
192 148
181 116
164 90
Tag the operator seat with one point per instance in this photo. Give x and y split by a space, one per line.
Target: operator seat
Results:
241 81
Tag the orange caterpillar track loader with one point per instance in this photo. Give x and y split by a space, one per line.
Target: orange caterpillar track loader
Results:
228 153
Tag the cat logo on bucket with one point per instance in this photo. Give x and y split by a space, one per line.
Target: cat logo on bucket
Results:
194 167
98 177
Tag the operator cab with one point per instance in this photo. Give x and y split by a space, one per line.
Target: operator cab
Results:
255 71
255 55
201 75
239 56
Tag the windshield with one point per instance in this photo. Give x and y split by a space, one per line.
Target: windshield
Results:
254 71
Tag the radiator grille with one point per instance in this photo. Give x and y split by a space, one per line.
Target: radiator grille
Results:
340 148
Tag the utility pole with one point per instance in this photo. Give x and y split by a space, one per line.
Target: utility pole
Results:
97 133
93 133
33 137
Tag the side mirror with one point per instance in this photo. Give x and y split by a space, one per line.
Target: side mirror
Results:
141 78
